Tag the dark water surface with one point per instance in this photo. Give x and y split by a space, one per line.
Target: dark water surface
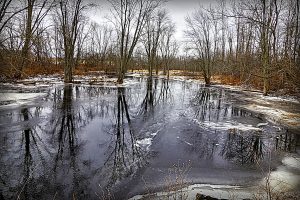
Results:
87 142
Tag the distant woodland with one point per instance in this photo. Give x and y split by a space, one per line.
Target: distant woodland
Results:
254 42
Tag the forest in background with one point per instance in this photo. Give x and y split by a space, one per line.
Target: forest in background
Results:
255 42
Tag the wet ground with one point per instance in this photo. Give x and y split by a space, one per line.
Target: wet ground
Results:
97 141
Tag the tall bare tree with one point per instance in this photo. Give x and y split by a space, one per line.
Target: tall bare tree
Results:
7 12
264 15
36 11
155 27
70 21
168 47
199 33
130 19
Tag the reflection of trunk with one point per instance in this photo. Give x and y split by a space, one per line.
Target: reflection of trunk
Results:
165 90
243 149
286 142
68 147
27 133
67 126
125 151
148 102
28 34
208 106
27 157
202 101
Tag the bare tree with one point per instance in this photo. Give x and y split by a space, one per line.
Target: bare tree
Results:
199 28
168 47
130 19
36 11
155 27
101 41
7 12
70 21
264 15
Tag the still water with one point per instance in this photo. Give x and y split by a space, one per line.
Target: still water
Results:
90 142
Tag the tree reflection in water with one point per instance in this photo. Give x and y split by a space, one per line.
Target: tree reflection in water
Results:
124 156
243 148
207 104
148 103
157 94
27 133
70 175
286 142
212 104
63 149
24 157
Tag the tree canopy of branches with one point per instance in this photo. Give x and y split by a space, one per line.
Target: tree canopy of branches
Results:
70 22
199 28
130 17
255 43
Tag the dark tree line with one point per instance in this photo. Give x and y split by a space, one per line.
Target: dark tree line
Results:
256 42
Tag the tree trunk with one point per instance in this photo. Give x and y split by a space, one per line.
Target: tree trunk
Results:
26 47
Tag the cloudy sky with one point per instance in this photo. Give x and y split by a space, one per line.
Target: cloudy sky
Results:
178 10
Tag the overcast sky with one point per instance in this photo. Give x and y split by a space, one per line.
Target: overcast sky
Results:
178 10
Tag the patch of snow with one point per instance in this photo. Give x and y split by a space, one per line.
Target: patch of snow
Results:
286 177
279 98
155 133
275 115
9 100
292 162
146 143
19 96
282 180
188 143
215 191
261 124
138 75
128 82
227 125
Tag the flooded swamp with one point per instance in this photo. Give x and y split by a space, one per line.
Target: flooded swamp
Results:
82 141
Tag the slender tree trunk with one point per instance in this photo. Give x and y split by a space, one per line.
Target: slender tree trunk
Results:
28 34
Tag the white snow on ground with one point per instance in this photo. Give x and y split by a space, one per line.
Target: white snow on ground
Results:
276 115
145 143
286 177
138 75
50 78
261 124
19 96
273 98
128 82
292 162
227 125
17 99
216 191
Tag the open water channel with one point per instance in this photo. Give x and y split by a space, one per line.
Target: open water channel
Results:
89 142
